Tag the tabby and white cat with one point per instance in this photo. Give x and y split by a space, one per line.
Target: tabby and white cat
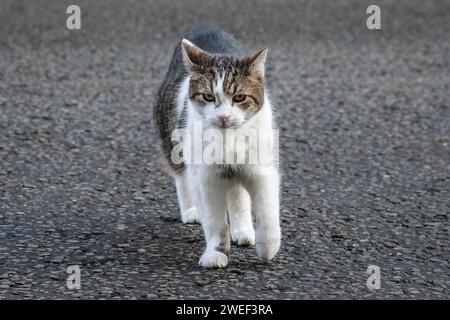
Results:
211 82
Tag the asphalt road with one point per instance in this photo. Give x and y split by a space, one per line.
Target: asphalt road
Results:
365 148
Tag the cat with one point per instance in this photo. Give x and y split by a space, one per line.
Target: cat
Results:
212 83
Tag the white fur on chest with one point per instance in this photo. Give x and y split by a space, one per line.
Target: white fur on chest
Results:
246 145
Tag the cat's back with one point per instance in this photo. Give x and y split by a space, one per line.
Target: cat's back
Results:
211 39
215 40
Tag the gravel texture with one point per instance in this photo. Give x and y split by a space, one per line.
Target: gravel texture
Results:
365 144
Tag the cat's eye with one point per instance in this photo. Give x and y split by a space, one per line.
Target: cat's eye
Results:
208 97
239 97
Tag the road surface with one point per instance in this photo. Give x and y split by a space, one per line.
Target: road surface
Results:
364 122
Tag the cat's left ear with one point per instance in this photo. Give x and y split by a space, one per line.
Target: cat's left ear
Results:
257 62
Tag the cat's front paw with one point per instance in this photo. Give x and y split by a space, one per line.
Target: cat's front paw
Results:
267 247
213 259
243 237
190 216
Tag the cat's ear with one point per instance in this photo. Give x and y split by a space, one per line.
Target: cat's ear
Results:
257 62
194 56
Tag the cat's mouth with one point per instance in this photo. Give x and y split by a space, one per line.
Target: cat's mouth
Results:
220 123
229 125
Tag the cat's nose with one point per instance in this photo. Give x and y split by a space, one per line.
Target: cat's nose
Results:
224 120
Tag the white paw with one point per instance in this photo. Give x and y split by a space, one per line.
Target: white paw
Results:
243 237
190 216
213 259
268 247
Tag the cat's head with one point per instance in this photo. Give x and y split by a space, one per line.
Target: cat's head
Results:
226 91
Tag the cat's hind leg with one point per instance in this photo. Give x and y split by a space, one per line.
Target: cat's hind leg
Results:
239 212
188 210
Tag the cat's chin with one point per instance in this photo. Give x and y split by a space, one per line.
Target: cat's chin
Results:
222 127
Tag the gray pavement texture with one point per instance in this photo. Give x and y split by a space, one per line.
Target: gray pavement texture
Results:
365 144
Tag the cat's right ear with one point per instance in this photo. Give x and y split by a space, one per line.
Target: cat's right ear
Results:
194 56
